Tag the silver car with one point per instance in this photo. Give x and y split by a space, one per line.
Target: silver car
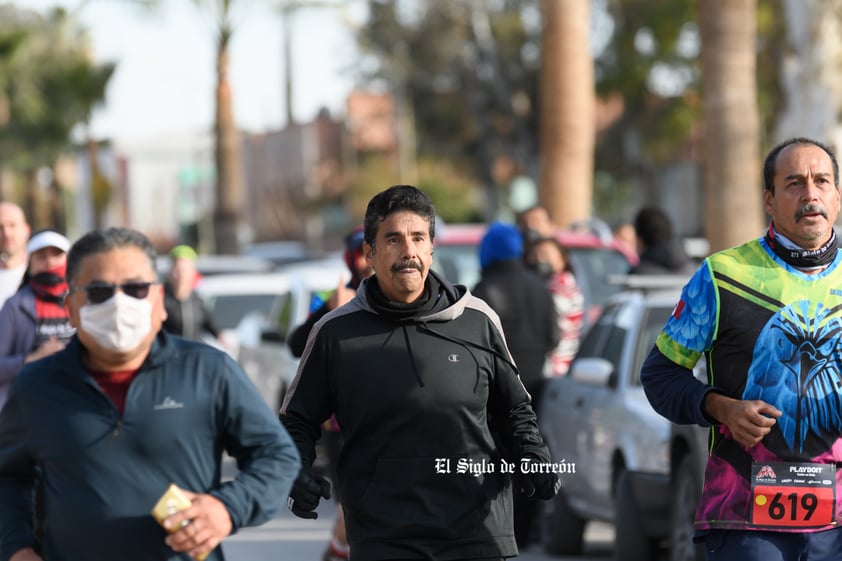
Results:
597 418
257 312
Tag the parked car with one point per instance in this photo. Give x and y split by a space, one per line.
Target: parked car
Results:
211 265
688 456
598 418
594 259
242 303
257 311
263 346
279 252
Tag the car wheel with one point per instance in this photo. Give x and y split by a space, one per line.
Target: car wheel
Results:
630 540
686 489
563 531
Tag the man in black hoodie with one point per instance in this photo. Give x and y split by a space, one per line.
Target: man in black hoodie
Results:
433 414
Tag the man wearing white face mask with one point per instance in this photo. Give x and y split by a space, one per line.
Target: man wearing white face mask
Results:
124 411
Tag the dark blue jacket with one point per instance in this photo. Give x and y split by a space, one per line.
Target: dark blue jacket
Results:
103 471
18 335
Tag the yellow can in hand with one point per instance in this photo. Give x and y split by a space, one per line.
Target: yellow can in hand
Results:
172 501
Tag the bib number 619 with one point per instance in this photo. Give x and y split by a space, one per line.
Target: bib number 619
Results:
778 507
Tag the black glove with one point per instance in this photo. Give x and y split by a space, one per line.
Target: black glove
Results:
542 486
306 492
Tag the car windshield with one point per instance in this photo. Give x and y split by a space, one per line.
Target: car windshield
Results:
459 263
653 324
227 310
593 266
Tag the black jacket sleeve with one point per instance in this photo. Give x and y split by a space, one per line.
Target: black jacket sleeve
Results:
673 390
512 416
307 403
298 337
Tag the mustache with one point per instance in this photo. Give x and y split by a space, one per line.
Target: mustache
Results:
810 209
409 264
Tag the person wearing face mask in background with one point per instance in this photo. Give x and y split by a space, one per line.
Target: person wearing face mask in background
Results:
137 409
34 322
546 257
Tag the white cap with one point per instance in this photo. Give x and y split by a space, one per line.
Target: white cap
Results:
47 238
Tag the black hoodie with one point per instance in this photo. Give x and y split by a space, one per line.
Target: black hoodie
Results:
417 389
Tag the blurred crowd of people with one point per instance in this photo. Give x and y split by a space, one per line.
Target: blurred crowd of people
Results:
124 316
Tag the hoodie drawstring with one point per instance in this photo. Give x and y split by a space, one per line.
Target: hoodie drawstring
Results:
468 345
412 357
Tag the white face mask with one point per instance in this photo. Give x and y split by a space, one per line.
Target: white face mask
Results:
118 324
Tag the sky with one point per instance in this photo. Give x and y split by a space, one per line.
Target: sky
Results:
165 75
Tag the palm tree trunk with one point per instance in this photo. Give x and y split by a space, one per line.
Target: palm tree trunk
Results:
101 189
733 203
230 185
567 112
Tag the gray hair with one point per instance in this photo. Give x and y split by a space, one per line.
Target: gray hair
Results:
100 241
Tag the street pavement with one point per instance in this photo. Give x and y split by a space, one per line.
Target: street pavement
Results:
288 538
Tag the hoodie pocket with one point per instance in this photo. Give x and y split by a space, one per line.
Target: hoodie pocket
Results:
407 497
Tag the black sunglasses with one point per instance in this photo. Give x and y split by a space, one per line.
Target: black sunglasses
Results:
98 292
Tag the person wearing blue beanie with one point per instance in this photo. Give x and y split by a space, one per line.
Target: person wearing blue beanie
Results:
501 242
525 305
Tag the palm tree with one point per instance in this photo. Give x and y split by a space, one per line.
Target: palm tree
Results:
733 208
10 42
50 86
567 129
230 184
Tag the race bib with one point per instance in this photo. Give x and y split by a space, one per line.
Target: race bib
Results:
792 494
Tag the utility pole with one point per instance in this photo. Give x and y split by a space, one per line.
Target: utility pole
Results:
288 9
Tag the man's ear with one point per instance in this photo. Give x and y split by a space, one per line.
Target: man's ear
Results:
768 199
159 304
70 315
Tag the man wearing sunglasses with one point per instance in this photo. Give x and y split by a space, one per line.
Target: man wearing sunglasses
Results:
124 411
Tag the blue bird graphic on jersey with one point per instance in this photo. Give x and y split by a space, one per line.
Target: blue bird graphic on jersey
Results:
795 369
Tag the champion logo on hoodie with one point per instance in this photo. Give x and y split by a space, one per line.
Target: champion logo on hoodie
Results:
454 358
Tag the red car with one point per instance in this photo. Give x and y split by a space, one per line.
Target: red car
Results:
594 259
